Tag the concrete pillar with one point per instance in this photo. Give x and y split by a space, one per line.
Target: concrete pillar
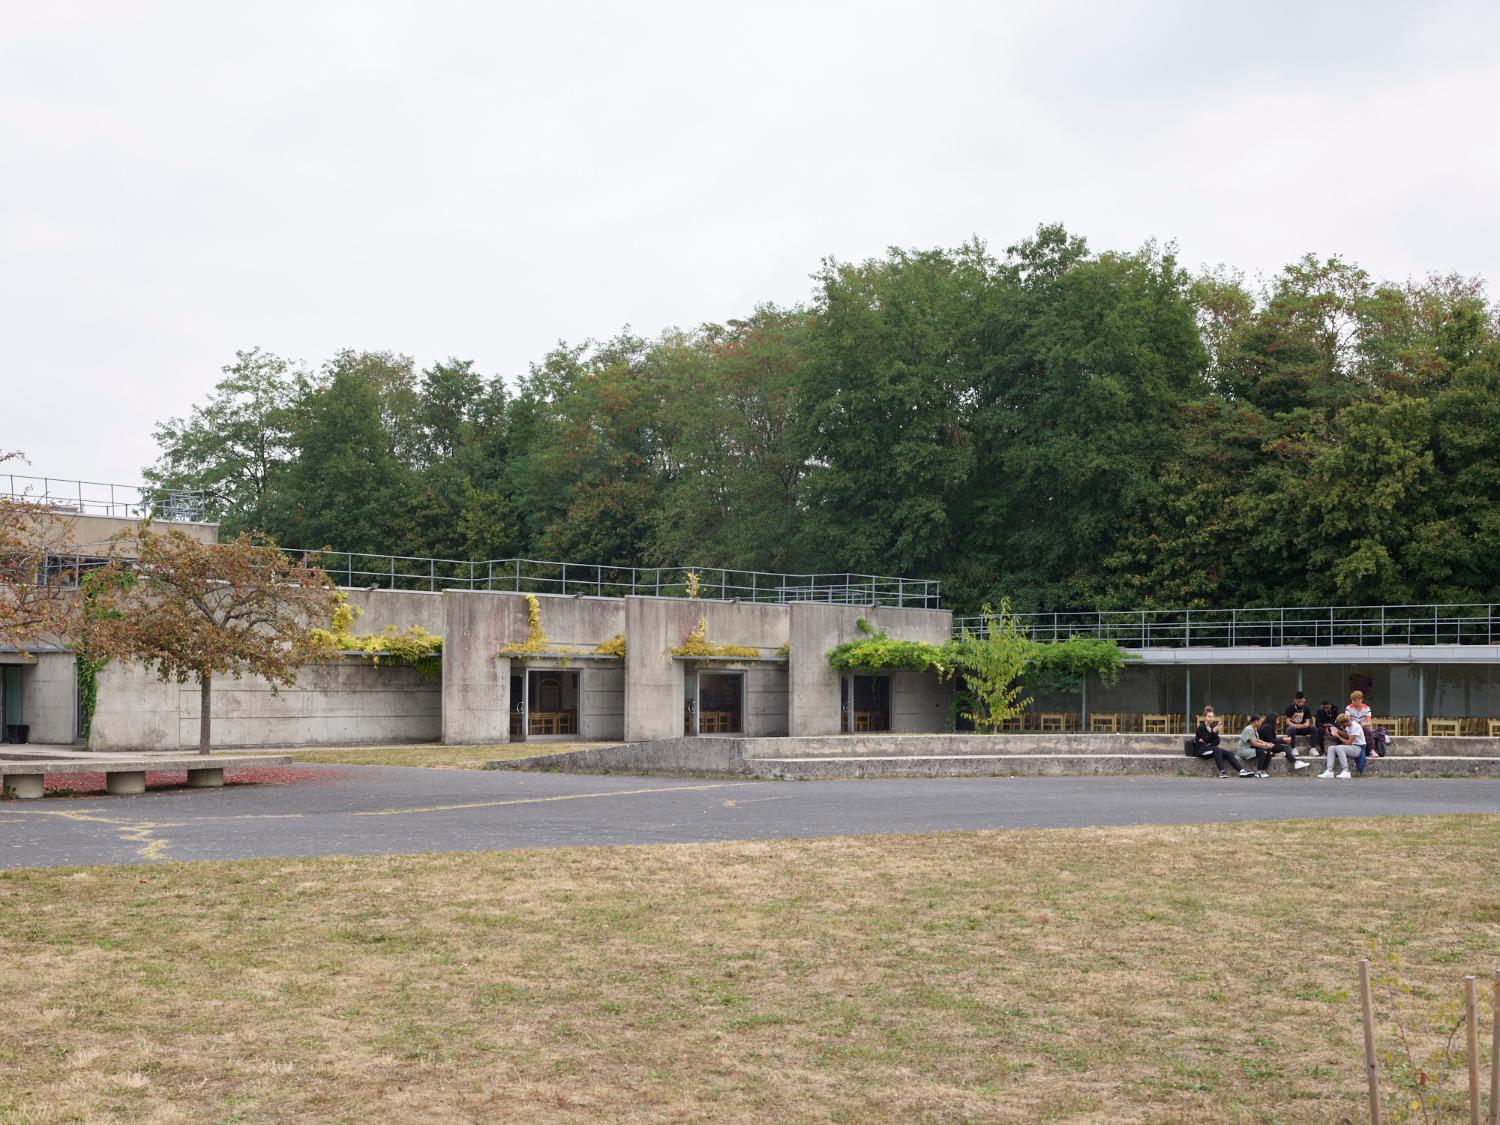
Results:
123 783
210 778
24 786
812 686
476 684
653 680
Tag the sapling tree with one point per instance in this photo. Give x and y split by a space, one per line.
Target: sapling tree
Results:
194 610
992 663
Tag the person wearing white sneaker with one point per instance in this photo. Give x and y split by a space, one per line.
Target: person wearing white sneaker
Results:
1344 776
1342 733
1277 744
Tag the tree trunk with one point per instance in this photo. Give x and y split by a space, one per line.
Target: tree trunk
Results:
205 686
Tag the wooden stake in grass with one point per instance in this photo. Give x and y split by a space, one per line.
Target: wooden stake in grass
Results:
1471 1011
1495 1053
1371 1074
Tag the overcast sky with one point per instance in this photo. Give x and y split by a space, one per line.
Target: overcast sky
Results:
181 180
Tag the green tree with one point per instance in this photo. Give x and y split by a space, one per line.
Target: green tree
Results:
733 459
1088 361
993 663
236 447
893 356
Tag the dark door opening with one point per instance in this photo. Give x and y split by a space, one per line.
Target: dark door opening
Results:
865 704
552 699
721 702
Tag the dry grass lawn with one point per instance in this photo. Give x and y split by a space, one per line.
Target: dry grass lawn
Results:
435 754
1197 974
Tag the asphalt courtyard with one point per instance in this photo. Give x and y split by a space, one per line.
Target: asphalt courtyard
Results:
381 810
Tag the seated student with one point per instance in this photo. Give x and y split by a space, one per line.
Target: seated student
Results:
1323 718
1359 712
1343 733
1299 719
1253 746
1207 738
1279 744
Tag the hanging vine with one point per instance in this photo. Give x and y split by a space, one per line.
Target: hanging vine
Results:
697 644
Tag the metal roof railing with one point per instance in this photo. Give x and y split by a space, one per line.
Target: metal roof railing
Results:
1319 627
96 498
537 576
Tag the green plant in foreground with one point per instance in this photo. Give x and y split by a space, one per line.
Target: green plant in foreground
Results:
992 665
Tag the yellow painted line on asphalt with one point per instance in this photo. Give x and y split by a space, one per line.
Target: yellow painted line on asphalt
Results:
564 797
139 832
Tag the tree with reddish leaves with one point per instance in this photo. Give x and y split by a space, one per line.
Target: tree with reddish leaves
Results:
36 602
194 610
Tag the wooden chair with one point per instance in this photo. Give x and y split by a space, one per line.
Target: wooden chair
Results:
1054 721
1494 727
1014 724
1159 724
1105 723
1443 728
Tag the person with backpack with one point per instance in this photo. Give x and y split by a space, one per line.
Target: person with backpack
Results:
1209 745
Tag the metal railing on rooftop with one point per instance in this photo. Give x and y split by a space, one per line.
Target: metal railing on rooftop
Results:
536 576
1322 627
95 498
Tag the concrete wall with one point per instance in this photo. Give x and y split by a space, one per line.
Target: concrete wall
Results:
344 701
49 698
401 608
813 687
476 685
93 533
765 700
654 680
136 711
920 702
603 701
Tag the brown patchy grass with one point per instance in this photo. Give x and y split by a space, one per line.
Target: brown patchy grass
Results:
436 755
1193 974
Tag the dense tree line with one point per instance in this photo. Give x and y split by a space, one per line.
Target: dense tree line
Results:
1061 427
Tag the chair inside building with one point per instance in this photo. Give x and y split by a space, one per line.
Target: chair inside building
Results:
864 704
552 697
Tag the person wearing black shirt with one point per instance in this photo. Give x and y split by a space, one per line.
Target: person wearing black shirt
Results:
1280 744
1323 718
1299 719
1207 738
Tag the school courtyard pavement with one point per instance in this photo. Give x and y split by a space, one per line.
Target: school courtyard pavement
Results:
381 810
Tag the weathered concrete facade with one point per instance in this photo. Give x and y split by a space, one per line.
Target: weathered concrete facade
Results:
918 702
348 700
646 695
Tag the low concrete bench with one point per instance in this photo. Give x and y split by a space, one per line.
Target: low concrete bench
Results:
21 773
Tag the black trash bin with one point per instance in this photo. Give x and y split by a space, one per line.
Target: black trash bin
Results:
18 732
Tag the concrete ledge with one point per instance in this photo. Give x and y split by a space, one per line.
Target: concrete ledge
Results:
1101 755
21 773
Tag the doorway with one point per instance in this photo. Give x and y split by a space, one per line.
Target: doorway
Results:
550 706
717 705
864 704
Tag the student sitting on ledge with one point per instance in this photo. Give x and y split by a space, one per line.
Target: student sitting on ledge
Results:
1208 742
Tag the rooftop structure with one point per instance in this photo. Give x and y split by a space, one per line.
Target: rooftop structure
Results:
1273 627
116 501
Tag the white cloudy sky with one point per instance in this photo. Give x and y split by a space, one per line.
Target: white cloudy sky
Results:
179 180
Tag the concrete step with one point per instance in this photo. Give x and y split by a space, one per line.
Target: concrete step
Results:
990 745
1039 765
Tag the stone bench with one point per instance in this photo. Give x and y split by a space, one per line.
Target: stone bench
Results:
21 773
